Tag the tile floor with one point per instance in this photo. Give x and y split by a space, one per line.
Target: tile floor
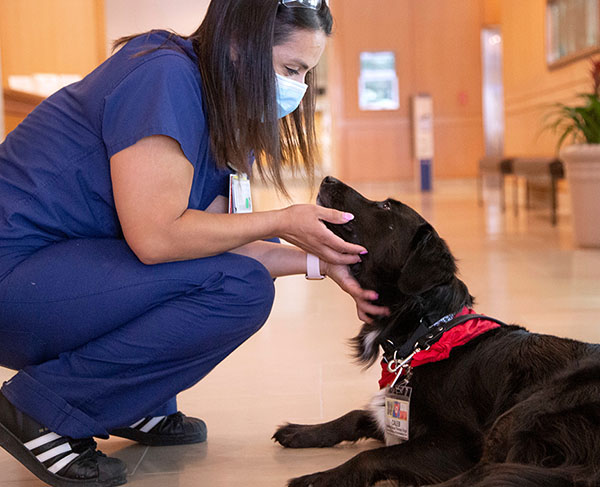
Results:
298 367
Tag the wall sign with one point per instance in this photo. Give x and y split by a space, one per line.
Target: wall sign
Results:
378 82
572 30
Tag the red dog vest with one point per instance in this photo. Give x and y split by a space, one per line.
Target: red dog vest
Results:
455 337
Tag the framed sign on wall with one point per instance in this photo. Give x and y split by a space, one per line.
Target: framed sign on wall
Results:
378 82
572 30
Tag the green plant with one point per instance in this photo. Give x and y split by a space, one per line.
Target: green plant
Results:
582 122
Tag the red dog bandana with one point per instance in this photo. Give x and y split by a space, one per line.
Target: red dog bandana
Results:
455 337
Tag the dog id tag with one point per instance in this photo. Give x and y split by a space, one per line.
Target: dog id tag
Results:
397 408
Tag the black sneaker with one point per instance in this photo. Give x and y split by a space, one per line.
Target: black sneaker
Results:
175 429
57 460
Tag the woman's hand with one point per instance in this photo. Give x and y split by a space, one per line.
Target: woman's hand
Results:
342 276
302 225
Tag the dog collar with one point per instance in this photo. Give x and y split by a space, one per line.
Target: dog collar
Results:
436 344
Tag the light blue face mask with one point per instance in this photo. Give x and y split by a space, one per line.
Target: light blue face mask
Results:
289 95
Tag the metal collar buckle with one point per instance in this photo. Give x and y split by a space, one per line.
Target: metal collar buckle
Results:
396 364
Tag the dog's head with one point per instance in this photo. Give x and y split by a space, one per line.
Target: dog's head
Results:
406 257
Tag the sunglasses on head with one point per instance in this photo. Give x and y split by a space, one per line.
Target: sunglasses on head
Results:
314 4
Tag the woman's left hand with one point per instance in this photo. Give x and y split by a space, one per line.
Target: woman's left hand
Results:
342 276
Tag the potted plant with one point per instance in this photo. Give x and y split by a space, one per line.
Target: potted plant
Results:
581 125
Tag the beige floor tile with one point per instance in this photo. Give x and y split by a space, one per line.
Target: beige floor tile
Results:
299 367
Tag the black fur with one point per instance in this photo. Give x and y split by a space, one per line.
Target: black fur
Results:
510 408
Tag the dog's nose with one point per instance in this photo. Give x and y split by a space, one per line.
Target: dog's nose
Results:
330 180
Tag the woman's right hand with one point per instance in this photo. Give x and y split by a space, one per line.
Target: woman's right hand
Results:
302 225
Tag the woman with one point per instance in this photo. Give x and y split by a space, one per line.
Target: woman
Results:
123 280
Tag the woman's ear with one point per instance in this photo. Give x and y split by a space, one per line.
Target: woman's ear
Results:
428 264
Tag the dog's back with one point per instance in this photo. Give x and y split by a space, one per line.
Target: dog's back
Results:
484 378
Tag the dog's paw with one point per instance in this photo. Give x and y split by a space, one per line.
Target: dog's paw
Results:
322 479
294 436
304 436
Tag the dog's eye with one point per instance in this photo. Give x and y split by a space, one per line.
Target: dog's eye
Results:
386 205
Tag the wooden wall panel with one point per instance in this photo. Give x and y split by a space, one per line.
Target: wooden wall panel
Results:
437 46
357 29
492 12
56 36
530 87
377 149
448 65
459 146
369 145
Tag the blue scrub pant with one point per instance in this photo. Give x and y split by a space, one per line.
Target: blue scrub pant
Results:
101 340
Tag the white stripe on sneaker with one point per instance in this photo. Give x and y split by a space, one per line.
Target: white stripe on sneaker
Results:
63 463
42 440
137 423
151 424
54 452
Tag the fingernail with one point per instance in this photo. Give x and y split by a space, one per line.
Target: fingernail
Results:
364 252
348 216
375 296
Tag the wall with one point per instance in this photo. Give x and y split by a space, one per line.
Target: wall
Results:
531 88
125 17
492 12
437 46
58 36
73 36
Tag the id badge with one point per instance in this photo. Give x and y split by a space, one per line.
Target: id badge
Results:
240 197
397 409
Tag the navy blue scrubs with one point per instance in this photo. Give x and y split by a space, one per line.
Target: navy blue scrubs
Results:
99 339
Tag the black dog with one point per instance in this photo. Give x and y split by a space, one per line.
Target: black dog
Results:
507 408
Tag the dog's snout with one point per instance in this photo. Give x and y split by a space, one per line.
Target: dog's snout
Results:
330 180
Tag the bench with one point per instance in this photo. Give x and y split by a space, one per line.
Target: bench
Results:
546 170
494 166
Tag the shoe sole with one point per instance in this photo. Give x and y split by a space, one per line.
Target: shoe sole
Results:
17 449
150 439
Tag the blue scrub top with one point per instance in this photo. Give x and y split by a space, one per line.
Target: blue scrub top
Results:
55 166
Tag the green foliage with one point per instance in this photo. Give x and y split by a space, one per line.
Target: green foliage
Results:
579 123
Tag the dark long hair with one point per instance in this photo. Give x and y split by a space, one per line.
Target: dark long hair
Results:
234 45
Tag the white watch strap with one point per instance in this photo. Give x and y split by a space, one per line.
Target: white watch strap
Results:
313 270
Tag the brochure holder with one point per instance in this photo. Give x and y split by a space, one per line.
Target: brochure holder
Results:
422 121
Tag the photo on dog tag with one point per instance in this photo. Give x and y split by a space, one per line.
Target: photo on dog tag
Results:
397 408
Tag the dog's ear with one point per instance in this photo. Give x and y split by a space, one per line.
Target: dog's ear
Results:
428 264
